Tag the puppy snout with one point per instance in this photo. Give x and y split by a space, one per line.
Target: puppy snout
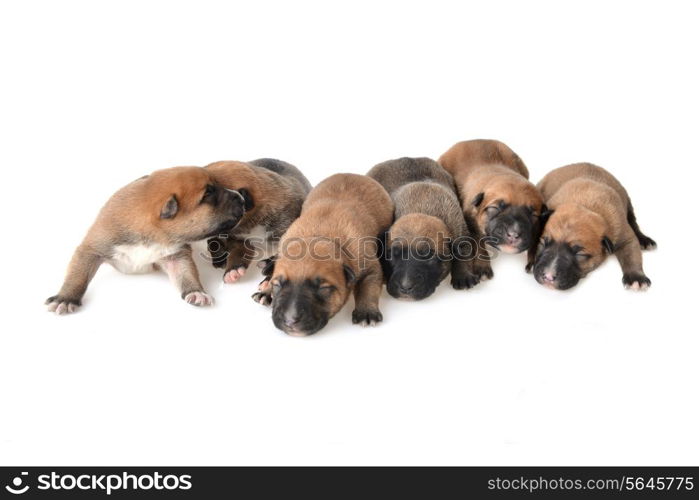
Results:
292 320
513 235
549 277
406 288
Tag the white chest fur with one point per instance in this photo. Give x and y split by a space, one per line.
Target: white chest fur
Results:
134 259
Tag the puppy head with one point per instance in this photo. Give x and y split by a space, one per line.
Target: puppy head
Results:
417 256
187 205
508 212
574 242
310 284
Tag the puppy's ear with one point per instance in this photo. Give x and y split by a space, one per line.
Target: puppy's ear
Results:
247 197
607 245
350 277
170 208
478 199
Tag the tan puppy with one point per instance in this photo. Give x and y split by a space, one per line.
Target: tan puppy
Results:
149 224
429 237
330 251
591 217
498 200
274 192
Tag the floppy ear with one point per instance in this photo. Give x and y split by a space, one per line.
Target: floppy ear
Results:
170 208
350 277
607 245
247 197
478 199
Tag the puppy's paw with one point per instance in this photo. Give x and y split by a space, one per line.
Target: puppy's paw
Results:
528 268
647 243
199 299
234 274
464 281
636 281
366 317
62 305
263 298
483 270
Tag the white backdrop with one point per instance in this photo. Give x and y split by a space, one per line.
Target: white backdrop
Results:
96 94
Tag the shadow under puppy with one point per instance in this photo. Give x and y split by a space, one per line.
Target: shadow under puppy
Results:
330 251
426 239
149 225
591 217
274 192
498 199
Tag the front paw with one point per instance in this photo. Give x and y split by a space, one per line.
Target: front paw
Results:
199 299
366 317
234 274
482 269
263 295
636 281
461 281
647 243
62 305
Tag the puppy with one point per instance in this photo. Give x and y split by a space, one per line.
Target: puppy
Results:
591 217
423 242
498 200
149 224
274 192
330 251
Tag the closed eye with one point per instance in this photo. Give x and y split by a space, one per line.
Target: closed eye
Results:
582 257
492 211
209 191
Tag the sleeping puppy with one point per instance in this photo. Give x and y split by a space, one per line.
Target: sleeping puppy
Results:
498 200
274 192
423 242
330 251
149 225
591 217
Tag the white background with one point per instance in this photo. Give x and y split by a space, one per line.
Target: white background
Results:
95 94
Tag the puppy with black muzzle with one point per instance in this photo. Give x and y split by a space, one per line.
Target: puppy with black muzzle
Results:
497 198
274 192
429 234
149 224
591 217
330 251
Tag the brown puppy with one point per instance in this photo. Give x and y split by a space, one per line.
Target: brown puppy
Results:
329 251
591 217
498 200
274 192
429 237
149 224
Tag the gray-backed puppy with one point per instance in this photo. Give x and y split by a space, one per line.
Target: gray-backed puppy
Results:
274 192
591 217
149 224
429 237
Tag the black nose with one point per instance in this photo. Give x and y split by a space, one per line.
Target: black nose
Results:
406 288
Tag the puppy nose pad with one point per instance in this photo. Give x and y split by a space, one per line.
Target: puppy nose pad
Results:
513 234
550 277
291 321
406 288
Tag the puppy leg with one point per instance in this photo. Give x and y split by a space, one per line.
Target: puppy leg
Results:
263 295
645 242
366 296
479 260
239 256
81 270
218 248
183 273
631 261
